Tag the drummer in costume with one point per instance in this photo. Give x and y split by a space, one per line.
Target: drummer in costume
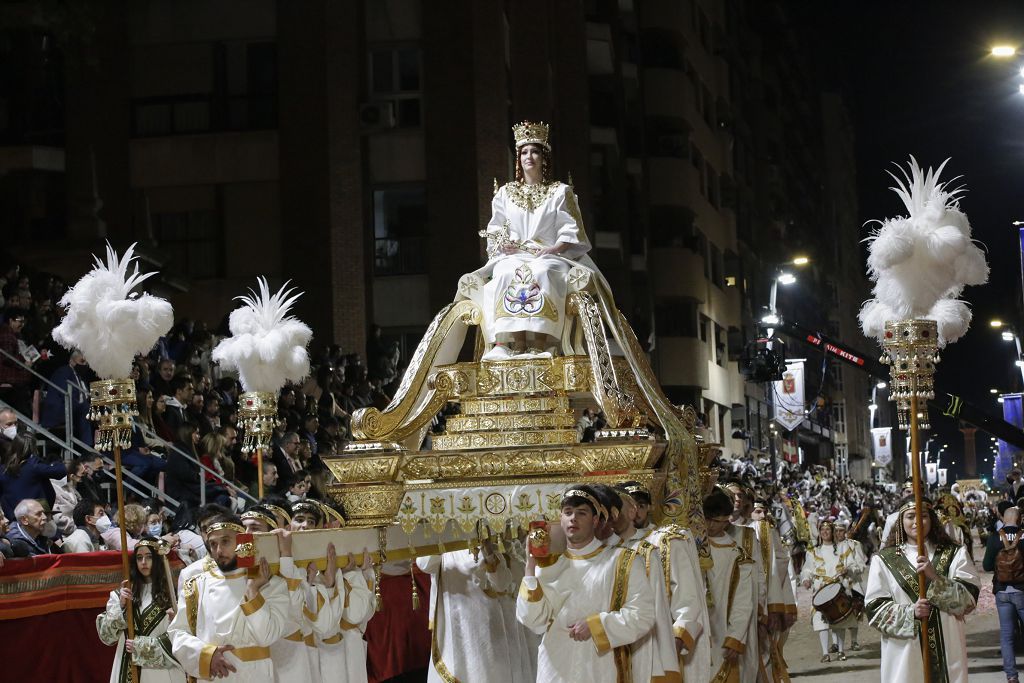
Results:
150 598
894 609
856 562
825 573
670 553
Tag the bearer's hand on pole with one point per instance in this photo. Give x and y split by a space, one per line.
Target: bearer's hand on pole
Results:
327 578
125 594
924 565
284 541
922 609
257 582
730 655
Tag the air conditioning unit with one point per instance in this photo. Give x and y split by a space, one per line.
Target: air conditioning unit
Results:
376 116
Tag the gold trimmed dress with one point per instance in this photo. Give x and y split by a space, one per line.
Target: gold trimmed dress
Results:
152 647
889 604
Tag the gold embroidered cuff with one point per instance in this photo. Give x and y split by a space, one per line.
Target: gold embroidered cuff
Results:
205 659
684 635
597 632
309 640
735 645
252 654
251 606
347 625
791 609
336 638
530 595
294 637
293 584
776 608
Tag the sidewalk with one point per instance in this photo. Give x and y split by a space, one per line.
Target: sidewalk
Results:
803 651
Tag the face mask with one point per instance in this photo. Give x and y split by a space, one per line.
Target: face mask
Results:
156 530
102 524
11 432
50 529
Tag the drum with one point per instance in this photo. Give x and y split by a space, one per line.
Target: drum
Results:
834 603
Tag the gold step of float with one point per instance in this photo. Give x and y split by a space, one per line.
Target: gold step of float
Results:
524 437
516 405
461 424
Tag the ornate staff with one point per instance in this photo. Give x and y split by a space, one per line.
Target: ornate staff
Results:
267 347
110 325
920 264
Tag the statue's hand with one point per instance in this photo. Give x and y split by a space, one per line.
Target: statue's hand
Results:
509 249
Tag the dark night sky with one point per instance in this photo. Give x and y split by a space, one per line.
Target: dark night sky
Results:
919 80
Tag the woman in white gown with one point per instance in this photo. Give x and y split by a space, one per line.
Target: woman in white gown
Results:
535 236
828 563
893 607
150 599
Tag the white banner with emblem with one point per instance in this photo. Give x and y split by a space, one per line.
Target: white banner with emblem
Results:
881 438
789 396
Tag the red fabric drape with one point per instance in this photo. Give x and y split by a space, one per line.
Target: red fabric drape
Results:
398 637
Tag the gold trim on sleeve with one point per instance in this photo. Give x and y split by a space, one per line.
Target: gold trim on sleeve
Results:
251 606
598 633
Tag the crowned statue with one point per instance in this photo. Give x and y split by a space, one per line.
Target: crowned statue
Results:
534 238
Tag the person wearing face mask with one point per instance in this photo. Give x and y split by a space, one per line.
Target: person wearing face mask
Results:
91 521
67 496
72 378
8 429
30 534
25 475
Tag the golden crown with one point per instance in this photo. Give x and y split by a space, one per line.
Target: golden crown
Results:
529 133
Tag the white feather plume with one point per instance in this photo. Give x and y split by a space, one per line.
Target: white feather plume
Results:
106 321
921 262
267 346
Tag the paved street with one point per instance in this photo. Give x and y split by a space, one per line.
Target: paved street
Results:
803 652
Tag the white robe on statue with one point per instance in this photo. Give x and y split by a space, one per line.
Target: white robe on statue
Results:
731 605
526 293
890 609
213 611
469 636
581 586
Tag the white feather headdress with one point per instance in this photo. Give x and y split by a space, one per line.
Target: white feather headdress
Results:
921 262
106 321
267 346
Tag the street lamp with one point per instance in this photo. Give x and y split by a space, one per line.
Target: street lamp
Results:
1003 51
782 277
1010 334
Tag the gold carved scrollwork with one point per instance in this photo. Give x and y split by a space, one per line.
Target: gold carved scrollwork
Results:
350 469
367 504
373 424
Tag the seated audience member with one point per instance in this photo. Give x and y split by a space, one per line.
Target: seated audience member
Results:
31 532
134 526
6 551
299 485
91 521
25 475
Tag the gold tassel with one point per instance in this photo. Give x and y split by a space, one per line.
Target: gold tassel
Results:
415 593
376 587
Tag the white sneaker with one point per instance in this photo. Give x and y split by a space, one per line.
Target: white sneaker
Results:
497 352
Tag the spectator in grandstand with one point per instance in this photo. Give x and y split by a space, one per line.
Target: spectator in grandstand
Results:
67 496
15 380
6 551
286 455
159 414
178 402
24 475
30 534
134 526
298 486
71 379
209 419
91 521
160 381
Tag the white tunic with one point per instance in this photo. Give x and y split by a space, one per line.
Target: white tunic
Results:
822 567
677 554
581 586
890 610
527 292
469 637
224 617
342 650
731 608
296 659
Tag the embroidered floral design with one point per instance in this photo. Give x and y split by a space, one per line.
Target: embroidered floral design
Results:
524 298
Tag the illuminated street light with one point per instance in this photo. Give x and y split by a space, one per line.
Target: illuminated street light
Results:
786 278
996 323
881 385
1003 51
770 319
1007 336
993 391
801 261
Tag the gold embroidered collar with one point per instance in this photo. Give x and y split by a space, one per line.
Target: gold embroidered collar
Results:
570 555
529 197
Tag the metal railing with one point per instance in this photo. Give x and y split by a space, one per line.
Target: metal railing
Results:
73 446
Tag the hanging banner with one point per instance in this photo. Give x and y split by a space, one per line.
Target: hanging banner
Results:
789 396
790 451
881 438
1013 412
942 476
932 471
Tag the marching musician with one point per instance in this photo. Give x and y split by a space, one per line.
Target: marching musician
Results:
826 565
856 562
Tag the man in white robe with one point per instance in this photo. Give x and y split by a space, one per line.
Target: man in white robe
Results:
672 558
227 621
731 598
590 602
469 640
344 650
